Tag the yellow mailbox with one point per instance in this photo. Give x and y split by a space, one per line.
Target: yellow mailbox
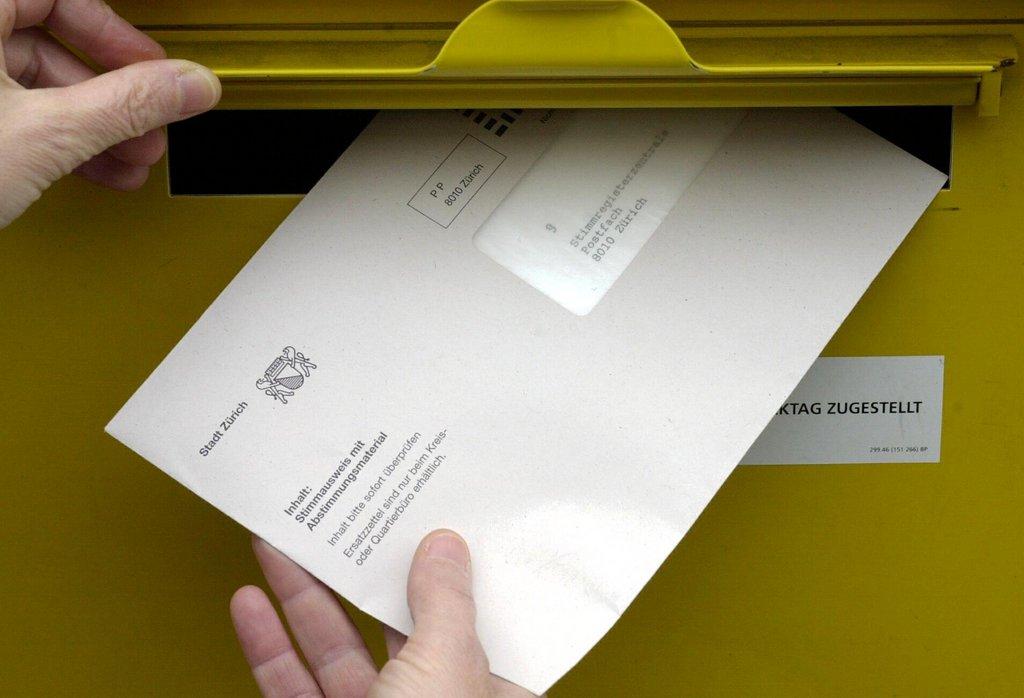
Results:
797 580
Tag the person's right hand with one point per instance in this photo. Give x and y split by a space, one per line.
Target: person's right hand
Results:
58 116
442 658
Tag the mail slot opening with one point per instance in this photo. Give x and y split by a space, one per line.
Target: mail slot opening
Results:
285 152
924 132
258 152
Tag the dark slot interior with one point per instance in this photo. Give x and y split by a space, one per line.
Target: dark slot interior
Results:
254 152
924 132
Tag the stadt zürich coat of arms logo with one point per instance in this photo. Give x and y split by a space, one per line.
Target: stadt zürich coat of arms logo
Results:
285 375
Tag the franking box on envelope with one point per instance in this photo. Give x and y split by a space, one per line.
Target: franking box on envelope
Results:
558 341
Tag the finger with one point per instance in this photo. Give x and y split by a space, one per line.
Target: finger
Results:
143 96
145 150
100 33
110 172
35 59
441 601
393 640
275 665
329 639
90 25
73 124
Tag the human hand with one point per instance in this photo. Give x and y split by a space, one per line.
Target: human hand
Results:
106 128
442 657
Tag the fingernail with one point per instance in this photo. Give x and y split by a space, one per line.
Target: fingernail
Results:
448 545
200 89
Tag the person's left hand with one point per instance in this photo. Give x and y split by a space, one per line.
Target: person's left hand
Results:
106 128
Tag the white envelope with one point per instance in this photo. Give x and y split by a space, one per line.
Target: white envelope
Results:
371 374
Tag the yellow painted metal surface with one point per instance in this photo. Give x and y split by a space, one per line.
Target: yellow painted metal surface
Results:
810 580
430 68
693 12
359 53
521 52
545 39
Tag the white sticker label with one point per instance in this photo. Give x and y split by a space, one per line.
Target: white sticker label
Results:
570 228
874 409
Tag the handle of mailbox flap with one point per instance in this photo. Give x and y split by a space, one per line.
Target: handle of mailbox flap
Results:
575 37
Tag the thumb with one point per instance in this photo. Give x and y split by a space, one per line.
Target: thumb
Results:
79 122
443 611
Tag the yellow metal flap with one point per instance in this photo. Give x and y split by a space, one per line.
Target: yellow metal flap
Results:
566 42
559 37
855 55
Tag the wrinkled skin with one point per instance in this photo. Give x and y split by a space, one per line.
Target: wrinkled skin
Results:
58 116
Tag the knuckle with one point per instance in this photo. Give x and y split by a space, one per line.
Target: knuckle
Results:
442 587
107 21
458 596
140 100
343 655
136 107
